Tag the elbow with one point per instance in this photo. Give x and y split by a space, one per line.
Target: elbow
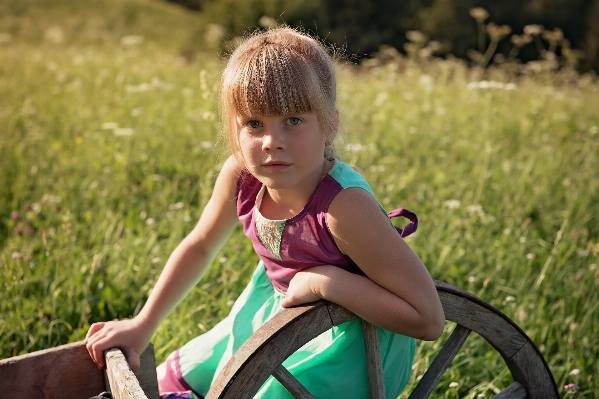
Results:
433 327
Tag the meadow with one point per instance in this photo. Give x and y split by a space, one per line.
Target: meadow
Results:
109 147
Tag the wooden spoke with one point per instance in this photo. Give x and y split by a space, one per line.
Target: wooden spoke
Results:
514 391
523 358
291 383
374 364
436 370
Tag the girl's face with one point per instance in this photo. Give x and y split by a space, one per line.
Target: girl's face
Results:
283 152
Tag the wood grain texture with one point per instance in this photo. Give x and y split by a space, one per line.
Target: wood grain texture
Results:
498 331
122 381
530 369
443 360
514 391
126 384
66 371
339 314
374 363
291 383
63 372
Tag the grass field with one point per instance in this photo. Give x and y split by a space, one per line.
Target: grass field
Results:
109 149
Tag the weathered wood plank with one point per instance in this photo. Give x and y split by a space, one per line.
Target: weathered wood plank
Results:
126 384
291 383
374 363
122 381
63 372
443 360
66 371
514 391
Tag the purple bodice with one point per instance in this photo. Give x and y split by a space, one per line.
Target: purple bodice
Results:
306 240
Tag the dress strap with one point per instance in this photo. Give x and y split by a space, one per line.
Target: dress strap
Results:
411 216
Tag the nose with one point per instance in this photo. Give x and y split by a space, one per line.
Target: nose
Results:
273 140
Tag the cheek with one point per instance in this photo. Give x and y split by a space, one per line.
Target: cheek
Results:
248 145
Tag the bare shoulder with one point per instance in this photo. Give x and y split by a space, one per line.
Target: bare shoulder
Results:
356 218
226 183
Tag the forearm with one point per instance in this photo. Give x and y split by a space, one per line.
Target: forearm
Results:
183 270
377 305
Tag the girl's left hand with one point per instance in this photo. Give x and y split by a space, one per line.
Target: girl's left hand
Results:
307 286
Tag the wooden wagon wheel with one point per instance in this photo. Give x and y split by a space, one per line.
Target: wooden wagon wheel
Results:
263 353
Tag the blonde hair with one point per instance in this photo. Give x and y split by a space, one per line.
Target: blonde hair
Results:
279 72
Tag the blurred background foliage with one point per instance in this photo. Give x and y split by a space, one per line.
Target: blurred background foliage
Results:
361 26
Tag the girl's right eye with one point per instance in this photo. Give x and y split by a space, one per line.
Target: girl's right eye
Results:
254 124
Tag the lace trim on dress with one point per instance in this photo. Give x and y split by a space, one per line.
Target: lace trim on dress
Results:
269 231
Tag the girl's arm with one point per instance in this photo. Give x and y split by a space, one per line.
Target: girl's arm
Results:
182 271
398 295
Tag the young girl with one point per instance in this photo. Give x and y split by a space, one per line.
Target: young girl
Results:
315 225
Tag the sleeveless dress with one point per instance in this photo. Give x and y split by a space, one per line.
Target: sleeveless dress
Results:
333 364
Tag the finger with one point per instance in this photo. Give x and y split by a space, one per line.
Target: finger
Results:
94 328
96 346
132 359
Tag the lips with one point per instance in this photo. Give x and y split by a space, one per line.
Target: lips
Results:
275 165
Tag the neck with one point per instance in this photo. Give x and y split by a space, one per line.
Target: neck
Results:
285 203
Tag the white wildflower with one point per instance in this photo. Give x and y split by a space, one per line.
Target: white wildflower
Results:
267 22
178 205
132 40
452 204
214 33
123 131
109 126
54 35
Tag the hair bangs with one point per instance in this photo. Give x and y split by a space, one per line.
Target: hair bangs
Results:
273 82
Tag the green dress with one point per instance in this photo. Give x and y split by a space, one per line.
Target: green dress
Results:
333 365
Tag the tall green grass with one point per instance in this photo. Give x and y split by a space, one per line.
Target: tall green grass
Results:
109 150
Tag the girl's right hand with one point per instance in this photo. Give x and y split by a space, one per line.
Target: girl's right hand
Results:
128 335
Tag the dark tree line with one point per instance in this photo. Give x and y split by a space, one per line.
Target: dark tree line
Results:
361 26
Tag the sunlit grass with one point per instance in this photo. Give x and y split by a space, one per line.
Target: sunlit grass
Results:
108 153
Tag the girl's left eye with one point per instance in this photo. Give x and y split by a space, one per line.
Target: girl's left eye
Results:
294 121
